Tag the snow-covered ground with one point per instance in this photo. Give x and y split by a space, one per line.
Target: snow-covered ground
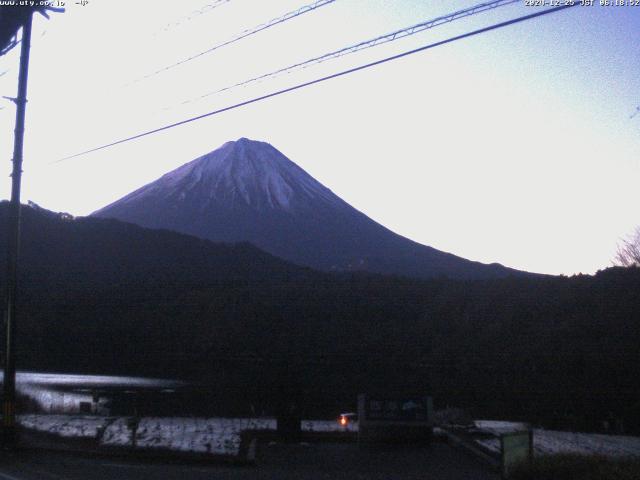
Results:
548 442
217 436
118 432
64 425
222 436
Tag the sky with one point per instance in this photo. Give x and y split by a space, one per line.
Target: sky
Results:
515 146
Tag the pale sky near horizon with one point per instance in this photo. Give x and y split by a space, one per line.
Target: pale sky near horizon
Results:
515 146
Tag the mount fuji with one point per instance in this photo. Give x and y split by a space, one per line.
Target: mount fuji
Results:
247 191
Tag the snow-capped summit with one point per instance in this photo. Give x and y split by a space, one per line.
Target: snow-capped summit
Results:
249 191
243 171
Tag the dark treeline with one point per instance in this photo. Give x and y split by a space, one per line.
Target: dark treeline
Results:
106 297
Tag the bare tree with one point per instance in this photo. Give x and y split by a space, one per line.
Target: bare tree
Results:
629 250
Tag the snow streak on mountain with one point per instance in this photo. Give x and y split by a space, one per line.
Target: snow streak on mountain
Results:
249 191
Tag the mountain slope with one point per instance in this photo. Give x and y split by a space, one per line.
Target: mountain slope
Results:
103 296
88 254
249 191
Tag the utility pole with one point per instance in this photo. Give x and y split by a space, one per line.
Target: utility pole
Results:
9 432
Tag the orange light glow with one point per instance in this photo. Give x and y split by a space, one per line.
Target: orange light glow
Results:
343 421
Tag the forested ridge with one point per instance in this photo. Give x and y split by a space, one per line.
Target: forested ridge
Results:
101 296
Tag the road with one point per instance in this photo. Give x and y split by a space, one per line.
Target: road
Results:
275 462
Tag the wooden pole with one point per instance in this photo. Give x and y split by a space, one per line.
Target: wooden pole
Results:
9 383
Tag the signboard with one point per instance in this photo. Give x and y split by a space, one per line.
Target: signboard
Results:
398 410
516 447
395 420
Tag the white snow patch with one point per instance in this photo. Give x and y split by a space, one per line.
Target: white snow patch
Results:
118 433
218 436
65 426
550 442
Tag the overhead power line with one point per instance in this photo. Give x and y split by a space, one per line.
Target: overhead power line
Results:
322 79
207 8
388 37
246 33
